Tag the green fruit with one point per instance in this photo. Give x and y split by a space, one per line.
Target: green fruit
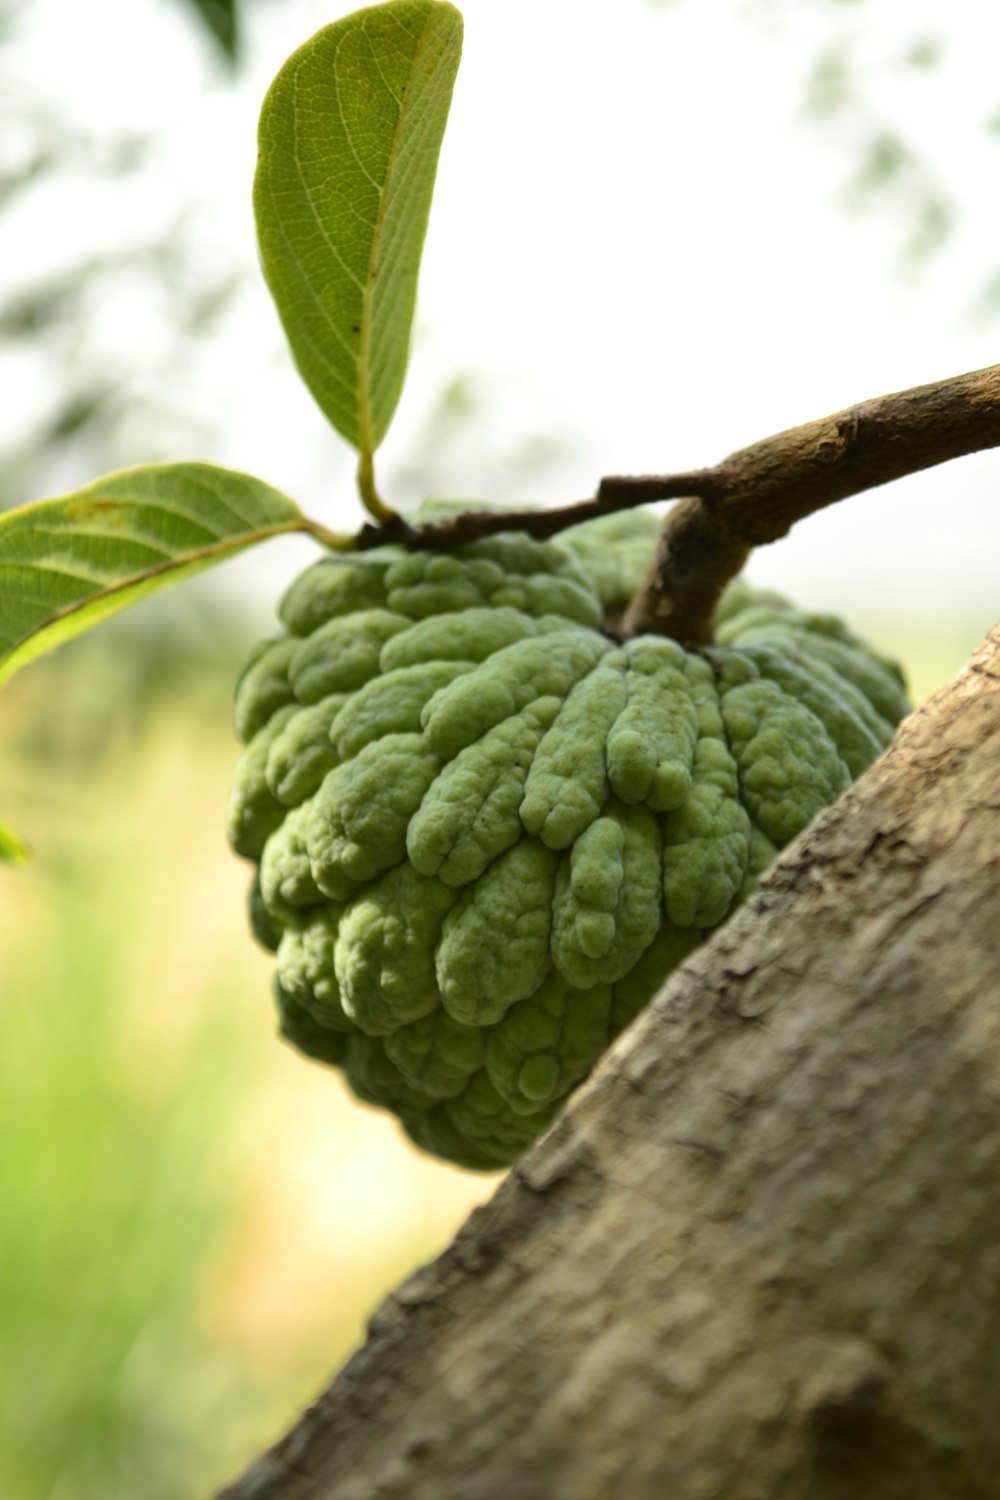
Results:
485 830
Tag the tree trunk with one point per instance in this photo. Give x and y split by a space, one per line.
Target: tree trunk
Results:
759 1256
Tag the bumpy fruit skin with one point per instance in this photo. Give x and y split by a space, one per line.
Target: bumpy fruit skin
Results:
485 829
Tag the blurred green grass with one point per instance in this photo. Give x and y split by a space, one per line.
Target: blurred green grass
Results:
196 1220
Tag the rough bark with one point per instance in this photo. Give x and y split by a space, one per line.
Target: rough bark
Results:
759 1256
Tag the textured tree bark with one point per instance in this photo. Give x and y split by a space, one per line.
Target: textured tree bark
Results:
759 1256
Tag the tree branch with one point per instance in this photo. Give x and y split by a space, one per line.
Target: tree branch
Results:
757 494
754 496
757 1256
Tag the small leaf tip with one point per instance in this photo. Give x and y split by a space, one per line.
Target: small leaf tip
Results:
13 851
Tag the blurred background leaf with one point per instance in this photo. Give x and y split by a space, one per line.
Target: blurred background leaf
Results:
221 18
11 848
855 87
95 396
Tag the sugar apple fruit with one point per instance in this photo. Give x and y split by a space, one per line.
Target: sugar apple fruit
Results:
485 828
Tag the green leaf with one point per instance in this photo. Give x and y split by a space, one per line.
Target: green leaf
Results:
221 20
350 132
11 849
65 564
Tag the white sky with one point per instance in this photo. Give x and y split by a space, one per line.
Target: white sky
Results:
635 240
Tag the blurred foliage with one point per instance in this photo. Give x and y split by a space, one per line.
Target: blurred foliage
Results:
221 17
196 1220
457 435
115 1108
12 850
889 171
112 1200
987 304
844 92
110 684
56 318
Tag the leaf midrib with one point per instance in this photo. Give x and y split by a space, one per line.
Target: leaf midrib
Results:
368 290
107 590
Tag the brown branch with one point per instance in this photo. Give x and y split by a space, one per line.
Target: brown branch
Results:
759 493
753 497
466 526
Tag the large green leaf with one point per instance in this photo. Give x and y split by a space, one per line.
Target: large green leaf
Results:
65 564
350 132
